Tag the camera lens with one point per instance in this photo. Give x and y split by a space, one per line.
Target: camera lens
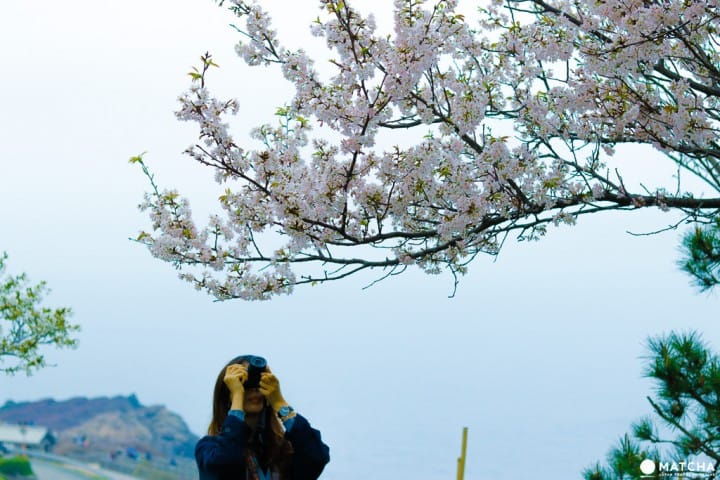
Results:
258 362
256 366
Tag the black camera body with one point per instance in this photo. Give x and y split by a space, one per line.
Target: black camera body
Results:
256 366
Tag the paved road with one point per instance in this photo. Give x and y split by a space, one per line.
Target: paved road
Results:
50 470
54 471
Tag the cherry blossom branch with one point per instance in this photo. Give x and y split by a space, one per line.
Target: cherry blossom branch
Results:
319 201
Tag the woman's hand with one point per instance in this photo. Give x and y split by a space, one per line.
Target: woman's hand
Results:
270 388
235 377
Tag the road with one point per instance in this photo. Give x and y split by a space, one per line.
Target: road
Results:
52 470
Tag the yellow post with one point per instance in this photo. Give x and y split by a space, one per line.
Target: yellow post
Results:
461 459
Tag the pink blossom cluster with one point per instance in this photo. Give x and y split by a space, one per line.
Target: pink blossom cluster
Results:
569 79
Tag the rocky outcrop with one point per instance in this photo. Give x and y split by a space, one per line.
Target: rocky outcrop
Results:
106 425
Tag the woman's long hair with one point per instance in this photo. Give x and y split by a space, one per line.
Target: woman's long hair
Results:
267 441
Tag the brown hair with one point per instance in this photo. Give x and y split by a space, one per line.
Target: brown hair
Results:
267 441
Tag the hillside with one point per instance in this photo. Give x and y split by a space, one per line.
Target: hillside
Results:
97 427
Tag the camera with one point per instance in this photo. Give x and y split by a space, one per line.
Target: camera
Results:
256 365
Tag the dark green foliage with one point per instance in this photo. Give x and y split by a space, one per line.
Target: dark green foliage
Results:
701 260
686 408
627 457
19 466
623 462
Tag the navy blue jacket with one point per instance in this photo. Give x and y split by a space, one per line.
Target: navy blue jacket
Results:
222 457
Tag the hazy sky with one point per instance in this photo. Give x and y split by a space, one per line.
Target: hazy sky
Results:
539 353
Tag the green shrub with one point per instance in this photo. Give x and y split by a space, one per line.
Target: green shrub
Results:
15 466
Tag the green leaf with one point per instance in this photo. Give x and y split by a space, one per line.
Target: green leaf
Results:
137 158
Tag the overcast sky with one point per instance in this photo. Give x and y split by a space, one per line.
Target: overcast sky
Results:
539 353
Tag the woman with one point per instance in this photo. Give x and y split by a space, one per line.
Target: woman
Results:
254 433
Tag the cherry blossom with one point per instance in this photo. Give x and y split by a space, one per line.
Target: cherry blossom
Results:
515 116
